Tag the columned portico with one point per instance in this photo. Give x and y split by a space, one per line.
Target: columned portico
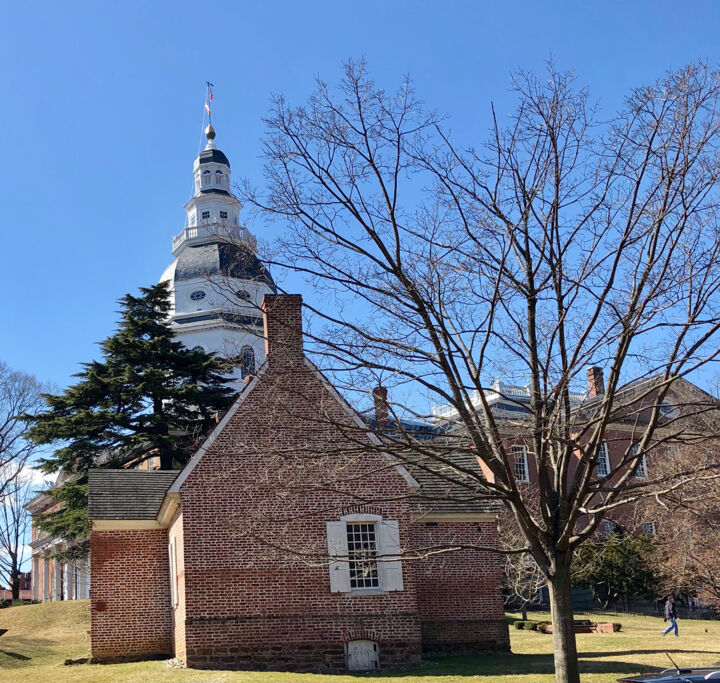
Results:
54 578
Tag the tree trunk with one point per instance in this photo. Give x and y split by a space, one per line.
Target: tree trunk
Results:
523 611
15 584
566 661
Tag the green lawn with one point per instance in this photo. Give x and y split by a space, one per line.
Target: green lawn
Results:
41 637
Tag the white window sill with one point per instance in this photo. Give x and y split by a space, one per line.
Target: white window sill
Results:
366 591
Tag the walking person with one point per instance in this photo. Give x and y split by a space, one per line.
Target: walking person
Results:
671 616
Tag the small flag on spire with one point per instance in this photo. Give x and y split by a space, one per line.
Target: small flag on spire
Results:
207 108
210 95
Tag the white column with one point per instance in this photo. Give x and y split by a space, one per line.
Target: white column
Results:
83 580
35 577
72 581
46 578
66 580
57 583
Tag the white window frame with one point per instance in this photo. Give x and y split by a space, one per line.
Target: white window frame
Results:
668 410
364 562
604 458
518 450
641 472
649 528
389 554
172 565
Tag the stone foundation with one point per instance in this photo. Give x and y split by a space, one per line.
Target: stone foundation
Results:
317 657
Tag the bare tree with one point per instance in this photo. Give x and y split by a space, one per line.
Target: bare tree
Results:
20 394
686 526
14 528
522 578
562 241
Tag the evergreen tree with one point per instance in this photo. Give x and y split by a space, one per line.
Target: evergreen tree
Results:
619 566
148 397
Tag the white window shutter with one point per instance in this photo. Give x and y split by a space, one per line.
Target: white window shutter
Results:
338 548
390 552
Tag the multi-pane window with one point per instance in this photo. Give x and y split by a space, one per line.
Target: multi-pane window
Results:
247 361
606 528
519 463
362 555
223 215
603 461
641 471
648 528
206 214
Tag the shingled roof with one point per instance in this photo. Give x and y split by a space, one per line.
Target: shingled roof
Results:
127 494
451 488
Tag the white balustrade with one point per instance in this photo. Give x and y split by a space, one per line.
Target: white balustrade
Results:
234 234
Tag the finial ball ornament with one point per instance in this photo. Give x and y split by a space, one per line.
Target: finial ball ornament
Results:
210 133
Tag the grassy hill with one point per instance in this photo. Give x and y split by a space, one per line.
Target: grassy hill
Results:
41 637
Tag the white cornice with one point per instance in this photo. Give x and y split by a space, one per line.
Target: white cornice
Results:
124 524
455 517
170 504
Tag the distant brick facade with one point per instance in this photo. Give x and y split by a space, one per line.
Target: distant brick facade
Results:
249 544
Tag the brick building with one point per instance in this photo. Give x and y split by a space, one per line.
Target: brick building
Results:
687 426
285 543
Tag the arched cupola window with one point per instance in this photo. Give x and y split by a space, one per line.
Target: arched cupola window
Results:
247 361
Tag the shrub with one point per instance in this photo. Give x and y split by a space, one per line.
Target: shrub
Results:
528 625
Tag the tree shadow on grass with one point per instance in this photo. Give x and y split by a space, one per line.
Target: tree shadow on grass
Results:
658 651
493 666
15 655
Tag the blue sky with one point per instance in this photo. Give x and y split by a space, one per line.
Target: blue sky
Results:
102 106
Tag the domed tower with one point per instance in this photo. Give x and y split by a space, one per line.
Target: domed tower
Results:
217 281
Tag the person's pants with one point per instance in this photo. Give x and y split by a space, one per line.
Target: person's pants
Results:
673 625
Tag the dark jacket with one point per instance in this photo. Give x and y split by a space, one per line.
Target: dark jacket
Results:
670 612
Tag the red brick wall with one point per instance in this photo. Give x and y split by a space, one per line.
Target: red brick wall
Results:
278 471
459 597
130 600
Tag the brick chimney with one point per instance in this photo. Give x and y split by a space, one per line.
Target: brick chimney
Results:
596 381
282 315
382 412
